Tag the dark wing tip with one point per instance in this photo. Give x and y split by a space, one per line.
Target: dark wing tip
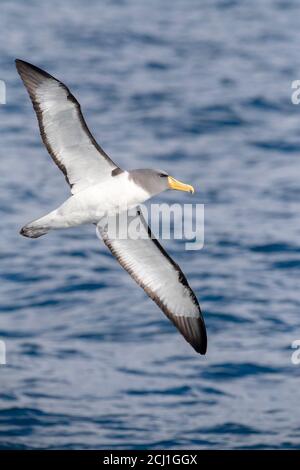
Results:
193 330
26 67
202 345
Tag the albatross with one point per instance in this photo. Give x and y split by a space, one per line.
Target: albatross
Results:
100 186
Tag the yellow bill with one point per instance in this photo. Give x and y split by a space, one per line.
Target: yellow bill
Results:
175 184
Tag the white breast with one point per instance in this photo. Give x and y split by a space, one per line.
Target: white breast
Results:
117 194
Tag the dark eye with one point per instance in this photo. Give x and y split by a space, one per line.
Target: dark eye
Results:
163 175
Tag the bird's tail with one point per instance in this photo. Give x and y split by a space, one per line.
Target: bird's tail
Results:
36 228
31 231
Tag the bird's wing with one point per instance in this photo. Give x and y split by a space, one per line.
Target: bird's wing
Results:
63 129
161 278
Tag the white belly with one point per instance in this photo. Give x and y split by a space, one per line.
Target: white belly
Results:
119 193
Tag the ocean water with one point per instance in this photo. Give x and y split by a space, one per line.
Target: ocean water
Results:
202 90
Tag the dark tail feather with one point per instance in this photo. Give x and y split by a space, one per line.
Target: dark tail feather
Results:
33 232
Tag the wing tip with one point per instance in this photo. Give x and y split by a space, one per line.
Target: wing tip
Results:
201 346
20 64
196 335
24 67
194 331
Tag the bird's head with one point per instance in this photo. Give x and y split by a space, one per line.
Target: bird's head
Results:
156 181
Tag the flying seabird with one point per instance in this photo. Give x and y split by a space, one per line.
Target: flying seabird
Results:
99 186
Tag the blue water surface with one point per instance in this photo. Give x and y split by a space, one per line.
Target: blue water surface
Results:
202 90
